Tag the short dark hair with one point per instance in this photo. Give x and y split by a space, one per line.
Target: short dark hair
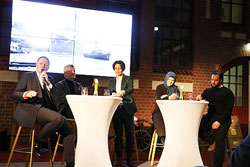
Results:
69 65
216 72
43 57
121 63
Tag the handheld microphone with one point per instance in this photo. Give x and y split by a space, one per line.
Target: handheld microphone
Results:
43 78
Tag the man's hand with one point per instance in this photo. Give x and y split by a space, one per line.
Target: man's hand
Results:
199 97
45 76
29 94
215 125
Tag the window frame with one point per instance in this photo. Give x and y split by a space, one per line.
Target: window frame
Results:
231 4
173 24
236 84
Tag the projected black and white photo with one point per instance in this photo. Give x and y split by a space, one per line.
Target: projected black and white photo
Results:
91 40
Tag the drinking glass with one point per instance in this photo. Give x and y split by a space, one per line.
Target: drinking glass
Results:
84 91
190 96
178 96
106 92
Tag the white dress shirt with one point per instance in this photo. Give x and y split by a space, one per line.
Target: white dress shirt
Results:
118 84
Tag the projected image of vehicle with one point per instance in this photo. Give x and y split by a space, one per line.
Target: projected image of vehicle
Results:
98 54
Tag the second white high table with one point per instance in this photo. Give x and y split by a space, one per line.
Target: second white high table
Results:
182 120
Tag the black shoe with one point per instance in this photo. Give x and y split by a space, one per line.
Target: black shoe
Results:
119 162
38 150
70 164
130 163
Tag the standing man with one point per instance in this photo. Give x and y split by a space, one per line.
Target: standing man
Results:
122 86
215 124
65 87
37 99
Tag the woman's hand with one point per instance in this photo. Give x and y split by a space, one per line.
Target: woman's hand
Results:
121 94
172 97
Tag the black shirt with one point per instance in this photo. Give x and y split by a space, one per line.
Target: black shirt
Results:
221 103
71 86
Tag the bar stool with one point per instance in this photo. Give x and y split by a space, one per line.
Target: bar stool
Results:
17 134
15 139
15 142
153 146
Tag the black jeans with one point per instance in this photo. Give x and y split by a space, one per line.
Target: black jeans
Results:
120 118
217 135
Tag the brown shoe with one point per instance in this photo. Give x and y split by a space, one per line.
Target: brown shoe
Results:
118 163
130 163
212 147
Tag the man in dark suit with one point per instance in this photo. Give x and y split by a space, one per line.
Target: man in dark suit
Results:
65 87
37 99
122 86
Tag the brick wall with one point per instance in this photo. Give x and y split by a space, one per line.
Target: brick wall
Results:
6 90
209 48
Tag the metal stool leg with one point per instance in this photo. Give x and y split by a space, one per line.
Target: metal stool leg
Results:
136 150
151 146
32 147
50 153
154 148
14 145
62 164
55 151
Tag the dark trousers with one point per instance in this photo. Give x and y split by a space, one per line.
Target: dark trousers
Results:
158 123
120 118
51 122
217 135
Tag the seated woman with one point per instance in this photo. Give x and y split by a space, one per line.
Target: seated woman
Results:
167 90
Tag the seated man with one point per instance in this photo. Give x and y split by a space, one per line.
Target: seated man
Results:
37 99
167 90
65 87
215 124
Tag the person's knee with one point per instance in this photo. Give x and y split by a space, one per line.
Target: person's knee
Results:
59 120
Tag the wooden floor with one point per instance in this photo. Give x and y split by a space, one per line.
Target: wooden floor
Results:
207 158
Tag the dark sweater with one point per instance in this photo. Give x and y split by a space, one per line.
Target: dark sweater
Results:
71 86
162 90
221 103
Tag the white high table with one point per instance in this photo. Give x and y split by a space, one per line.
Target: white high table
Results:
93 115
182 120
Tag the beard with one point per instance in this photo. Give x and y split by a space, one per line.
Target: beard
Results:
216 86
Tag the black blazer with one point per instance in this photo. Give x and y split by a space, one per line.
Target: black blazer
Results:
63 90
27 109
127 85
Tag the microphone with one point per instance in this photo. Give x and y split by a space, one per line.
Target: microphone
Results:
43 78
